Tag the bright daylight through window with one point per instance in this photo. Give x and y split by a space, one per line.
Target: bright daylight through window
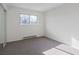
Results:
28 19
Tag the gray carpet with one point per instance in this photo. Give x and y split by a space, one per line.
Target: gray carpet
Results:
34 46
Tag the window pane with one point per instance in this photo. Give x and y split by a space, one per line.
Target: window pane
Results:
33 19
27 20
24 19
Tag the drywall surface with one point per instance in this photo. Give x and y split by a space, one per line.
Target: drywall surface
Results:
62 23
15 31
2 32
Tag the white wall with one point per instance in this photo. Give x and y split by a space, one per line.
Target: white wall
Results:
2 33
62 23
15 31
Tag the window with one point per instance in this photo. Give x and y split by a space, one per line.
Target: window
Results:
28 19
33 19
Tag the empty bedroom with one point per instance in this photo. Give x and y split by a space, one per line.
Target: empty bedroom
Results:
39 29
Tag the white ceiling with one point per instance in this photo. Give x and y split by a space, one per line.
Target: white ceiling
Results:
36 6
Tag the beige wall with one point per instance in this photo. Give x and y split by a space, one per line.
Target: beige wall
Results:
15 31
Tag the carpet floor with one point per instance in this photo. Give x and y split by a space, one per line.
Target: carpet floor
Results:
34 46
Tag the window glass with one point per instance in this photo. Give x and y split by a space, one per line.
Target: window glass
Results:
24 19
33 19
27 19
